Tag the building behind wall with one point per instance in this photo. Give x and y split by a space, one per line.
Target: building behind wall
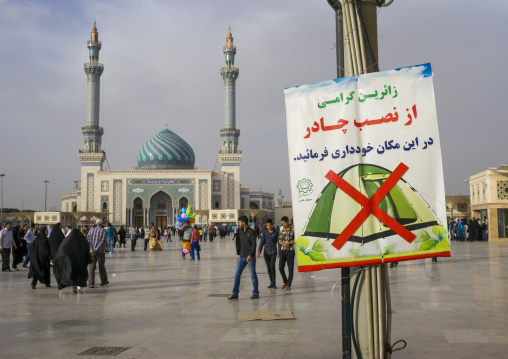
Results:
458 207
489 199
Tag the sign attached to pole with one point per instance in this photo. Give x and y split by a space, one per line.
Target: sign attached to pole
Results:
366 170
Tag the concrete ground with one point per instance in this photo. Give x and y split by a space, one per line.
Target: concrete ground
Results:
158 306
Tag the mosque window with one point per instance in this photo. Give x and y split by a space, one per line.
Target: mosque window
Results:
216 205
104 207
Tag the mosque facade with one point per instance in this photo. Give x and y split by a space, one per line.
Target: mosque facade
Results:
165 179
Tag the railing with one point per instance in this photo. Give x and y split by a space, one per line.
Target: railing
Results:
93 64
230 152
233 48
234 130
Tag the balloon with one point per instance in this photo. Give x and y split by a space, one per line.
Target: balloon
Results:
186 251
192 220
179 225
184 217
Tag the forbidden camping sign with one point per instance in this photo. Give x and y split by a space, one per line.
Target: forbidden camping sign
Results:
366 170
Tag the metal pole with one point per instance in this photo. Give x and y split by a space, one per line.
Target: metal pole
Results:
46 195
339 36
344 272
2 176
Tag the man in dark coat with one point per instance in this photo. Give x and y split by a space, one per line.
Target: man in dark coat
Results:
71 262
55 239
40 260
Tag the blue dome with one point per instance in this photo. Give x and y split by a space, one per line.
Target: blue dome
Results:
166 150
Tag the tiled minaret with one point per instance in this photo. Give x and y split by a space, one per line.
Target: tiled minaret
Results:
92 156
229 156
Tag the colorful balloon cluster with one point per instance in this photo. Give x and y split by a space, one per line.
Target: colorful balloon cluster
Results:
185 216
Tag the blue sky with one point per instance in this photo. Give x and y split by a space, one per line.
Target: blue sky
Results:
162 61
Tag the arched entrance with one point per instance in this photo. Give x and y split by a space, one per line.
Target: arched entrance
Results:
161 207
138 212
183 203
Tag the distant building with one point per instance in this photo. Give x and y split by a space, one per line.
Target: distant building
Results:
489 199
458 207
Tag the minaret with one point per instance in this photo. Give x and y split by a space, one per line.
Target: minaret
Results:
92 156
229 156
92 133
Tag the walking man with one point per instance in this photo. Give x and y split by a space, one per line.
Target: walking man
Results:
6 242
286 252
246 248
110 231
134 238
205 233
269 238
29 238
97 238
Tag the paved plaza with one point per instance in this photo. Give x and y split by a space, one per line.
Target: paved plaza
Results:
158 306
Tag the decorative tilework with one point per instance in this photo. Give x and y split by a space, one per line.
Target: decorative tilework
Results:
502 189
89 186
203 194
231 190
117 201
104 186
217 184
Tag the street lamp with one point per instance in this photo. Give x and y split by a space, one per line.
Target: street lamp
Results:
46 195
2 208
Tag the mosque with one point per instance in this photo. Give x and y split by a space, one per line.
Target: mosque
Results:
165 179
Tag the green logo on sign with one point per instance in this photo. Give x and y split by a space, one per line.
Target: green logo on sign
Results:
304 187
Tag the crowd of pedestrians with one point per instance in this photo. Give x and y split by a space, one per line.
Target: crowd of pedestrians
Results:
474 230
75 253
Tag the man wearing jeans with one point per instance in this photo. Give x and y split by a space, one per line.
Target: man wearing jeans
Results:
110 231
246 248
6 243
29 238
269 239
96 239
286 252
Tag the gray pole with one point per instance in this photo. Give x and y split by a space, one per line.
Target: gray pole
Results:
344 272
2 209
46 195
339 36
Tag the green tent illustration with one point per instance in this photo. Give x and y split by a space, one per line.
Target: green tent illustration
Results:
334 209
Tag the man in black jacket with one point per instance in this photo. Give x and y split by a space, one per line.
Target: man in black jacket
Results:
246 249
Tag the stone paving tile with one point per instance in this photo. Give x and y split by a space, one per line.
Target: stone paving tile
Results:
158 305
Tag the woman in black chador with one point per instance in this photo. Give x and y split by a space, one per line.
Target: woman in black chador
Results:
18 253
55 238
40 259
70 265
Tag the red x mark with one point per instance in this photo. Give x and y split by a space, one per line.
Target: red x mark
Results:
370 206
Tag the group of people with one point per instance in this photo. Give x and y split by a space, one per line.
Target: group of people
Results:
277 244
474 230
73 254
